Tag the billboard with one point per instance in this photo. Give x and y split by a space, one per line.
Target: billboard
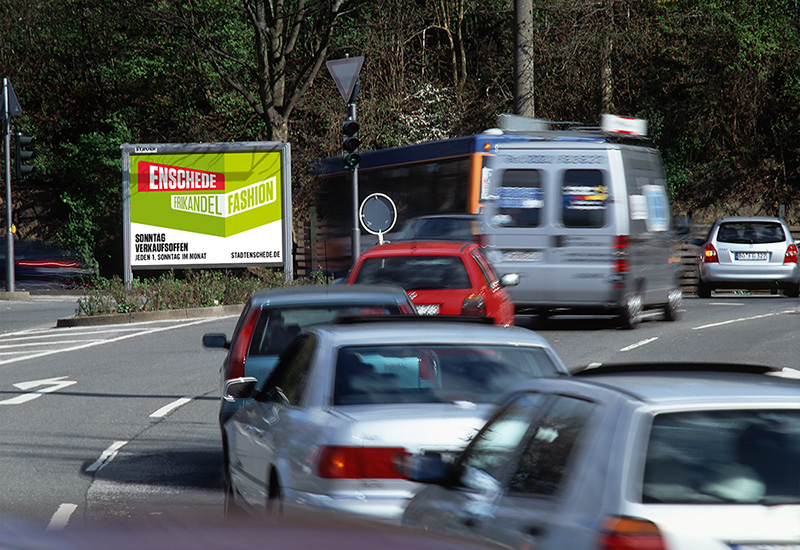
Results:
202 205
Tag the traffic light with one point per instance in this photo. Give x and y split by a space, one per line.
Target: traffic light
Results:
24 154
350 143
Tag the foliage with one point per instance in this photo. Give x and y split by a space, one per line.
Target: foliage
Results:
202 288
718 80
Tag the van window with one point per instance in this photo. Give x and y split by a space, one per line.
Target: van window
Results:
584 198
520 199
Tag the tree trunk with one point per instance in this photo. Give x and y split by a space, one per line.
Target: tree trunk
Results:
523 58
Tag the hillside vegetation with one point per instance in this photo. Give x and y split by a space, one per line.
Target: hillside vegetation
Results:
718 81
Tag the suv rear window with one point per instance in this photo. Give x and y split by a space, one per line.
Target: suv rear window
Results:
739 457
415 272
750 233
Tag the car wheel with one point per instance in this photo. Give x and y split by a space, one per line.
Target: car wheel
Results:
274 496
793 291
632 313
674 301
231 509
703 290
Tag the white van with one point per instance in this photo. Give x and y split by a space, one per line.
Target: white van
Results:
584 217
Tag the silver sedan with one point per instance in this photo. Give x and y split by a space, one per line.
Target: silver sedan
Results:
348 403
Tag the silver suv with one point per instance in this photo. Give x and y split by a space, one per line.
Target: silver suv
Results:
678 457
749 253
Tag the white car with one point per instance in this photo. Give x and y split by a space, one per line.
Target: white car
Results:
647 457
347 403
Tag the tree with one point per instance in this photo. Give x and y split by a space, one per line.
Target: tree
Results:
289 43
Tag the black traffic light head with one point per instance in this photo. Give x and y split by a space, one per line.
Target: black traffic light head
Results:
23 155
350 143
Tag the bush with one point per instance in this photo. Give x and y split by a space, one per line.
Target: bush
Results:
204 288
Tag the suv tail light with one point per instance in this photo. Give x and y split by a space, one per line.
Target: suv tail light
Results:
242 344
361 462
620 265
631 534
473 305
791 254
710 254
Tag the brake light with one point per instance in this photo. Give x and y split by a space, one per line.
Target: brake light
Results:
473 305
631 534
242 344
620 265
710 254
791 254
361 462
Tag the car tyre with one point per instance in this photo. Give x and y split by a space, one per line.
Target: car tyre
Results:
703 290
674 301
632 312
793 291
274 496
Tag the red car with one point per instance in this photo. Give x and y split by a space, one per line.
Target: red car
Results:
444 278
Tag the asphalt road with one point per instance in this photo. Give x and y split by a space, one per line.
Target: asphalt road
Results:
119 422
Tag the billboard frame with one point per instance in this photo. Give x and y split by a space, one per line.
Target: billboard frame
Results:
287 259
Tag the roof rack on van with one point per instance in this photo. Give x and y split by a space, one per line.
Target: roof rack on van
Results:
612 128
414 319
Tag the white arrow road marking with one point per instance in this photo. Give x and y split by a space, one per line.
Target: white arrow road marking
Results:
166 409
107 456
61 517
56 384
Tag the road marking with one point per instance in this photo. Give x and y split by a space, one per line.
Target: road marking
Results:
110 340
739 320
107 456
639 344
59 342
166 409
55 384
61 517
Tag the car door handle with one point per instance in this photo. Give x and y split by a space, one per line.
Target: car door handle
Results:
256 432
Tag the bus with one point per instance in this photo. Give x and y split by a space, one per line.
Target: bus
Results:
435 177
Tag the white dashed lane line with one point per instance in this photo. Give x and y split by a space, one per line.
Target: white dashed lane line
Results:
639 344
61 517
166 409
107 456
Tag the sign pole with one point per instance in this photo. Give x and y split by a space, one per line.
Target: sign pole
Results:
356 231
9 224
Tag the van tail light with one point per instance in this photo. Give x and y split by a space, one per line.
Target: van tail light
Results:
473 305
242 344
621 533
710 254
361 462
620 265
791 254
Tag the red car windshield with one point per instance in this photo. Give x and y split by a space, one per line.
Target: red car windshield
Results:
416 272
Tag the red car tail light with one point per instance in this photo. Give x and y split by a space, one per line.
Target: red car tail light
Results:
631 534
240 347
361 462
791 254
710 254
473 305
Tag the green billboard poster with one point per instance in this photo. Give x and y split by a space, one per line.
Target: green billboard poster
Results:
206 205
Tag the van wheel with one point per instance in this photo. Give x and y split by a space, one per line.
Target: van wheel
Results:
632 314
703 290
674 301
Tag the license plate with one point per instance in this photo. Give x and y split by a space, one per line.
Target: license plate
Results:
428 309
751 256
523 256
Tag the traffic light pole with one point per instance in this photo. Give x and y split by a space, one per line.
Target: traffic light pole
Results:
9 225
355 241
